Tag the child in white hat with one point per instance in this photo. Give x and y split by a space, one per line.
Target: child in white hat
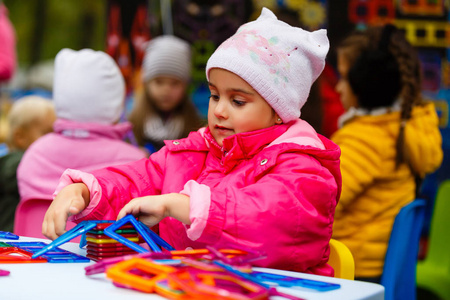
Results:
88 94
257 176
163 109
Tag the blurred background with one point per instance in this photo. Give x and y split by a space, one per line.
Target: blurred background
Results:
122 28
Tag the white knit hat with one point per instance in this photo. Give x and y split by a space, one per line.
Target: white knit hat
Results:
88 87
167 55
279 61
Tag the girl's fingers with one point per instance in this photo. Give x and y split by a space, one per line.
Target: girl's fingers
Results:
45 227
76 206
124 211
50 232
131 208
149 221
60 226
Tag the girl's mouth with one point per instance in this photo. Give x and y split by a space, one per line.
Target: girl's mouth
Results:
223 130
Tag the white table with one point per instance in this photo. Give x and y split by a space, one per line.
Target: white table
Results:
56 281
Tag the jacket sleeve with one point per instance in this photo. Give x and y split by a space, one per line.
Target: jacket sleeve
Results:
289 208
360 161
113 187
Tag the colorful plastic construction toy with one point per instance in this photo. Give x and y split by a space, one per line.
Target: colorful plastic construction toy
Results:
106 238
14 255
8 235
371 12
422 7
426 33
53 255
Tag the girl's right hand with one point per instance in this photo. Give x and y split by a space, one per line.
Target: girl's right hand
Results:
70 201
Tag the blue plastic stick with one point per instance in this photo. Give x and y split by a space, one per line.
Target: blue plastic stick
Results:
111 232
157 239
55 255
293 282
83 241
8 235
240 274
69 235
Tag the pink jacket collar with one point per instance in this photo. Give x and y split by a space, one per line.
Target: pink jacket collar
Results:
247 144
80 130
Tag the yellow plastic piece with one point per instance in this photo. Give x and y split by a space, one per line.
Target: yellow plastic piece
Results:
430 38
109 241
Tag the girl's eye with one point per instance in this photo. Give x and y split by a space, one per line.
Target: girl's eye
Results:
214 97
238 102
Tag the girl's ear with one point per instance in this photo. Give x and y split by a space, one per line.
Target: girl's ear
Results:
278 120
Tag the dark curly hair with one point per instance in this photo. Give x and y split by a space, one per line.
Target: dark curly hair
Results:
384 67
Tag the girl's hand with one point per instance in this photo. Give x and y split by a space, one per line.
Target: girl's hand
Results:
152 209
70 201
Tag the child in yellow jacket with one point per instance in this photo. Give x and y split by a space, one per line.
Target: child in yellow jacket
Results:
389 139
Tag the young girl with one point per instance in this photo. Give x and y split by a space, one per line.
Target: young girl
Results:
389 138
163 110
257 176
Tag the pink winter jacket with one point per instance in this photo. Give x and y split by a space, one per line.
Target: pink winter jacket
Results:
82 146
274 190
7 45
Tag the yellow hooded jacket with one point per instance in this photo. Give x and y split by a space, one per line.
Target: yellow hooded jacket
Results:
373 189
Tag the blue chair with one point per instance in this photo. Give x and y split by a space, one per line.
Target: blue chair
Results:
399 273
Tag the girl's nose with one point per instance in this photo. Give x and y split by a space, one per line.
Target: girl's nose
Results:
220 110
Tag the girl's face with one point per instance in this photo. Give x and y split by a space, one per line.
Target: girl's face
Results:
167 92
235 107
348 98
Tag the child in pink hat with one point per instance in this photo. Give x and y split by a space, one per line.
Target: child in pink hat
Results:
256 176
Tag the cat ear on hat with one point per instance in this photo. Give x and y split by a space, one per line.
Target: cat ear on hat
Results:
267 14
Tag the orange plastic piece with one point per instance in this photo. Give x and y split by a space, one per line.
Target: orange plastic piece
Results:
121 273
422 7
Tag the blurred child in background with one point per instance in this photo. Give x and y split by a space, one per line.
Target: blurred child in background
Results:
163 110
257 176
29 118
88 94
389 141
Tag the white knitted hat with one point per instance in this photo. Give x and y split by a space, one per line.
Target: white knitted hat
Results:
167 55
279 61
88 87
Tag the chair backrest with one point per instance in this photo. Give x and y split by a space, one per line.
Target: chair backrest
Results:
399 272
439 239
341 259
29 217
433 273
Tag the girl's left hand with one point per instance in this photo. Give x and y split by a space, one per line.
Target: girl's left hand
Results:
152 209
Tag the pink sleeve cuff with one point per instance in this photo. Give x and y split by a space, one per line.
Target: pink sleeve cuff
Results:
200 202
74 176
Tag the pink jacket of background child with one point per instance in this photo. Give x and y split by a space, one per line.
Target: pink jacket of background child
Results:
273 190
82 146
7 45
